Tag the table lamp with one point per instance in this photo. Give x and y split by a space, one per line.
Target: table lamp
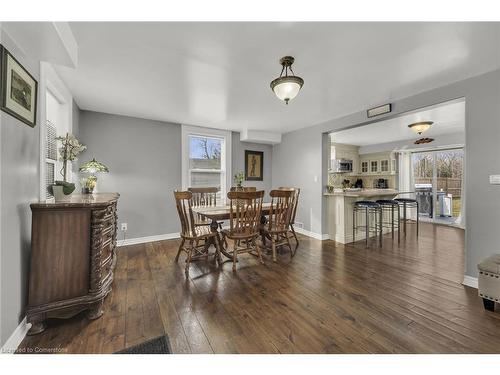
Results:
93 166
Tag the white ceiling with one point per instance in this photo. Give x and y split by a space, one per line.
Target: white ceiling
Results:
218 74
447 118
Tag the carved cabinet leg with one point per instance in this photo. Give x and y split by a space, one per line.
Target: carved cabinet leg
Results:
96 311
37 327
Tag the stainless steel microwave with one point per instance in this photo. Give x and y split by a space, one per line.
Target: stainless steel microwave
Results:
341 165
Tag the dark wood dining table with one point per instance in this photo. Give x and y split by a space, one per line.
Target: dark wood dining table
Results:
219 213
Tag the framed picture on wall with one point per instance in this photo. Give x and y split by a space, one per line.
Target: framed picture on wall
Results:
254 165
18 91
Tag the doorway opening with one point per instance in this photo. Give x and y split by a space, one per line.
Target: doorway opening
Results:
389 154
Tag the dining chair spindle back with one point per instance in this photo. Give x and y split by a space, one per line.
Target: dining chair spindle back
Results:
195 239
244 222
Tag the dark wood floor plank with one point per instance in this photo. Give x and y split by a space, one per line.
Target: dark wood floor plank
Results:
172 324
329 298
143 319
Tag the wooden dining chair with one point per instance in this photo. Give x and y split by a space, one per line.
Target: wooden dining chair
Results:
294 211
194 238
278 224
204 197
244 223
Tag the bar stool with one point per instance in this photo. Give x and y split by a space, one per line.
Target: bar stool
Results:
407 203
389 205
368 207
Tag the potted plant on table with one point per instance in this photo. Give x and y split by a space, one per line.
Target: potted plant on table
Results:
70 148
238 179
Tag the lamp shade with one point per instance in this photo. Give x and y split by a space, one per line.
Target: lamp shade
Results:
420 127
93 166
287 88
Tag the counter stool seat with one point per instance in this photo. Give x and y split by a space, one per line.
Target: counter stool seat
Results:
407 200
367 204
391 202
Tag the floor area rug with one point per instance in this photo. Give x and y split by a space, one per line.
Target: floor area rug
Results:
158 345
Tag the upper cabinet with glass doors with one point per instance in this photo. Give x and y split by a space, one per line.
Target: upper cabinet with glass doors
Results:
381 163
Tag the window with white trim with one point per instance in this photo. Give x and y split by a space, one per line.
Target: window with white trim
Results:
55 125
50 157
206 159
56 119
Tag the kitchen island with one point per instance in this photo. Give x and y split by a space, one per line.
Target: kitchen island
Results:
339 211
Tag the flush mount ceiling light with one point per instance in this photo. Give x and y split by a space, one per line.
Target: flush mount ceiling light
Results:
422 141
420 127
286 87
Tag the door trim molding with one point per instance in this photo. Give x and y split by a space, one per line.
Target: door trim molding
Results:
16 338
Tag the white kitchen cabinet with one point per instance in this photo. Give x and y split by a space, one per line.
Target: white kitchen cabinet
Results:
364 166
384 166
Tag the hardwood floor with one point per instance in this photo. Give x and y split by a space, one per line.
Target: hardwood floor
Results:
329 298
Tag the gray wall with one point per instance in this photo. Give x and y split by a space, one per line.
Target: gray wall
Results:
306 150
144 160
297 162
20 155
238 162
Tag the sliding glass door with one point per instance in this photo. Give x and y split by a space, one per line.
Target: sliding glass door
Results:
438 179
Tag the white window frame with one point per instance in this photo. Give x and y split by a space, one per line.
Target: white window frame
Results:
225 135
387 161
50 81
367 166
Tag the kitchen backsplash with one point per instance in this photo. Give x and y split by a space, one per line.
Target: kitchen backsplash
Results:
335 179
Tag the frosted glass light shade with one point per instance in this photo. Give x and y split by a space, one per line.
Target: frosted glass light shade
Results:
420 127
287 88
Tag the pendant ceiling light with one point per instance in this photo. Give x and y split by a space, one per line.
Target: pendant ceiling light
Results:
420 127
286 87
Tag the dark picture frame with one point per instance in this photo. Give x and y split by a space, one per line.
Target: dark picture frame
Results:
23 87
254 165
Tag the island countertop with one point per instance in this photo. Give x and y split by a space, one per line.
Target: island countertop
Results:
364 193
339 211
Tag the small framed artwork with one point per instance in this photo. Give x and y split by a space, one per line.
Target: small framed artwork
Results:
254 165
18 91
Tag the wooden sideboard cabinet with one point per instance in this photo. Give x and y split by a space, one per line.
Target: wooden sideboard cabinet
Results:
72 257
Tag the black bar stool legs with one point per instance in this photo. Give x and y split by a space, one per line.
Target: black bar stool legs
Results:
368 208
408 203
388 205
374 217
416 202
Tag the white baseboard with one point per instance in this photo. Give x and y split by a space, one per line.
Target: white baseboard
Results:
307 233
170 236
470 281
16 338
138 240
